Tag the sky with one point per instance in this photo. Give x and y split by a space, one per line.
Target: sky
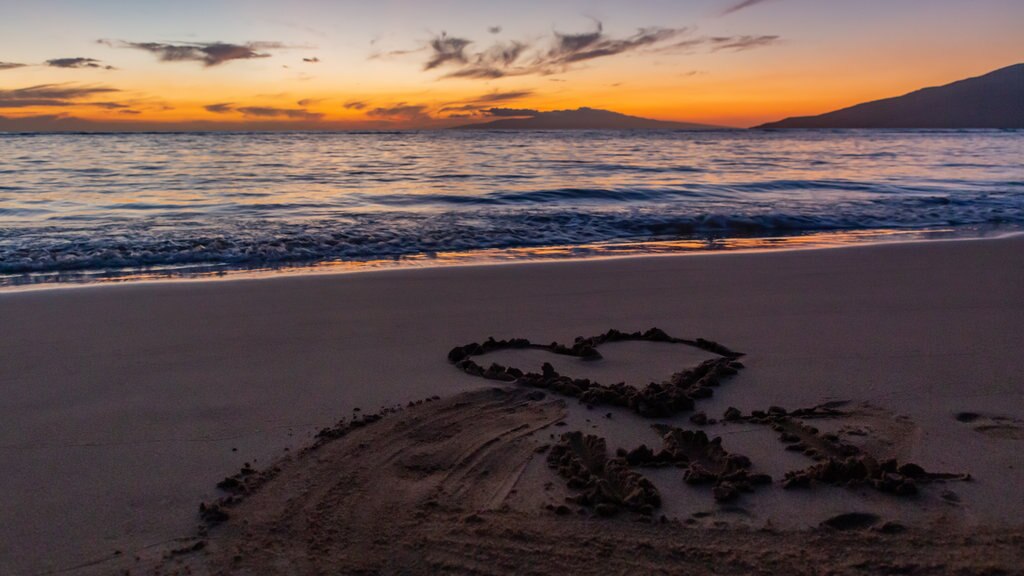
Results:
319 64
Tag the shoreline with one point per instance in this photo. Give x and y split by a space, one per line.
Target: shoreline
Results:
126 406
459 260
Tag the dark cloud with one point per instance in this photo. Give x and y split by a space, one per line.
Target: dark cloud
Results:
446 49
721 43
264 111
10 65
572 48
290 113
355 105
494 29
521 58
738 43
77 63
130 112
221 108
209 53
313 60
305 102
109 105
401 111
482 101
50 95
741 6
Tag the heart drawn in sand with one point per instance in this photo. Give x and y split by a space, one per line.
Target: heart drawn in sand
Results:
676 394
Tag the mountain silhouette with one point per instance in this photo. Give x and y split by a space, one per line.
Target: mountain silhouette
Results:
579 119
995 100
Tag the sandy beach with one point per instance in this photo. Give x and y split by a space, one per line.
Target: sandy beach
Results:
123 406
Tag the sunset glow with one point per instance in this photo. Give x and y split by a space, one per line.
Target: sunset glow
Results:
395 64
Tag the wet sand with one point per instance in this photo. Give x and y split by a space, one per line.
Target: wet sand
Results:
125 405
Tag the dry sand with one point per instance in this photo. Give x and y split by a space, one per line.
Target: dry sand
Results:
123 406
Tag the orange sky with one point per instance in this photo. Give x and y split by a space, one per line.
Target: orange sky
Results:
396 64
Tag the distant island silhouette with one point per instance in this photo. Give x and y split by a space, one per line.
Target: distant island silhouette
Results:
995 100
579 119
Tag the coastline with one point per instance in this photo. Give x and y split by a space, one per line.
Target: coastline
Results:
524 255
163 379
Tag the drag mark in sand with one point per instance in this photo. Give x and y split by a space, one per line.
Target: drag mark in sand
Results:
838 463
994 426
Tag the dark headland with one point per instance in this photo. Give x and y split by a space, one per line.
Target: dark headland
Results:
579 119
995 100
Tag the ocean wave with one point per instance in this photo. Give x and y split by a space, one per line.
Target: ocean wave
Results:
363 236
93 203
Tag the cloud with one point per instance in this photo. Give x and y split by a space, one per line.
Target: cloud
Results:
10 65
740 6
738 43
264 111
269 112
109 105
313 60
579 47
209 53
445 49
221 108
401 111
77 63
494 29
722 43
355 105
518 58
482 101
50 95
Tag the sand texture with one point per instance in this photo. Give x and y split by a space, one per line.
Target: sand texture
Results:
874 422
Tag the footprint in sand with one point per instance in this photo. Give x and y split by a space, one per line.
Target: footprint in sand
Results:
1005 427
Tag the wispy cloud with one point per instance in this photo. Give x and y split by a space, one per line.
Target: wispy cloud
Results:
401 111
741 6
10 65
483 101
355 105
222 108
208 53
722 43
445 49
738 43
459 57
264 111
50 95
269 112
520 58
78 62
313 60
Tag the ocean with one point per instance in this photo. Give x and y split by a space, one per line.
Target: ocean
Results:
101 207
